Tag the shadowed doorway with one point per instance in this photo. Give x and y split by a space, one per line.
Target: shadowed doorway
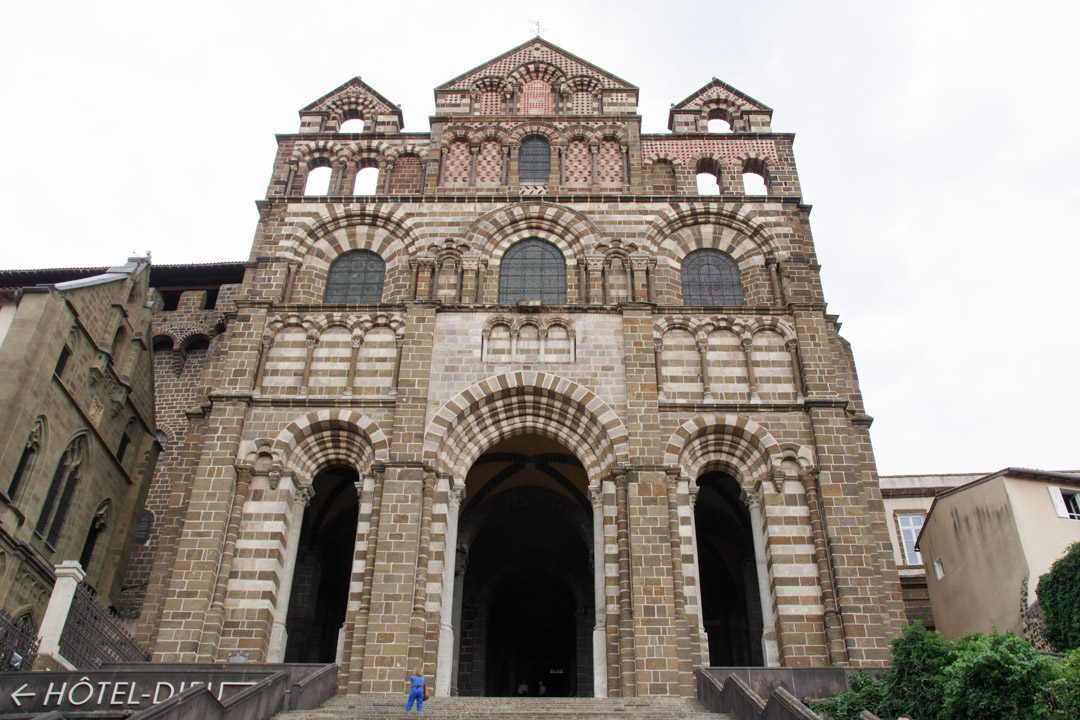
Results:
731 606
526 612
323 568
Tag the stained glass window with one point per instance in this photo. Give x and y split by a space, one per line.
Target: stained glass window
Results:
534 160
533 269
711 277
356 277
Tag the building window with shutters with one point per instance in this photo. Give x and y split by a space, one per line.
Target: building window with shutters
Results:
533 269
534 160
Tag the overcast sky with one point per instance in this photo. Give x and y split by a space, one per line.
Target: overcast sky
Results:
937 142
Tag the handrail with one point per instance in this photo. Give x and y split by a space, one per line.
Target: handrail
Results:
737 698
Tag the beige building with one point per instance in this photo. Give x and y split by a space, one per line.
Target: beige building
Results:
77 424
986 543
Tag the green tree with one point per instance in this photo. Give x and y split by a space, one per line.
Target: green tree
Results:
998 677
1059 597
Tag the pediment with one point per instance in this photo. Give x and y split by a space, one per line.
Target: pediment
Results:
354 93
536 57
719 90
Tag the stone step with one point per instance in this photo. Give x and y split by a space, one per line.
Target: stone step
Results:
387 707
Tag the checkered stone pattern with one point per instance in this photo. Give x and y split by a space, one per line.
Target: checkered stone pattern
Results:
609 163
491 103
489 164
578 163
458 164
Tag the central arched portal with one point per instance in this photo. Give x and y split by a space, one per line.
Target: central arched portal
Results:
526 607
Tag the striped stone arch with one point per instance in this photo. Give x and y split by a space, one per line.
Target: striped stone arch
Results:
330 150
513 404
733 443
518 133
681 231
454 133
578 132
349 104
369 151
613 132
777 325
326 437
399 151
570 231
536 70
490 132
331 229
488 83
661 156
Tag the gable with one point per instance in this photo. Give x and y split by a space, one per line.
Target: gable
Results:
718 90
354 93
536 56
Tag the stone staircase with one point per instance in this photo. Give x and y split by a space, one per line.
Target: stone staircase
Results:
390 707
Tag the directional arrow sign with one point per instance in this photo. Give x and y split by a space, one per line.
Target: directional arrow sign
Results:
20 694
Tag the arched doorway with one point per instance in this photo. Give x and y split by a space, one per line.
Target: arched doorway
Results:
526 608
324 559
731 603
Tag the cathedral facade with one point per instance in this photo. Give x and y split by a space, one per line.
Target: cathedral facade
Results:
534 396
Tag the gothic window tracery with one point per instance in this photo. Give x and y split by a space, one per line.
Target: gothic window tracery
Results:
66 477
355 277
711 277
533 269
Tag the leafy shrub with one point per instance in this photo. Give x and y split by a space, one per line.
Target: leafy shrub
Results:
867 693
998 677
1060 601
983 677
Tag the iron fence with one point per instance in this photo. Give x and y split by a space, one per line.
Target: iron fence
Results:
92 635
18 643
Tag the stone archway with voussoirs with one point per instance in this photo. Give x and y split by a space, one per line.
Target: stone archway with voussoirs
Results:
511 405
743 449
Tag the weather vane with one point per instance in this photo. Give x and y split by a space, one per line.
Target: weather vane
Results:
538 29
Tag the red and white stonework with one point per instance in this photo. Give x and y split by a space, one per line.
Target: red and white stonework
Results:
420 424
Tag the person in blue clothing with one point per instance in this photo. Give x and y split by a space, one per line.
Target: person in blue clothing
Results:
416 692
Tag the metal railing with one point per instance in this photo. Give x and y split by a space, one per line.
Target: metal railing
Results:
92 635
18 644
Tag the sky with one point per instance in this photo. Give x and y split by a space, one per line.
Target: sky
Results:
936 142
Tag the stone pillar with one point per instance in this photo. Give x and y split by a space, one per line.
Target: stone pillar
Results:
474 151
747 346
599 633
626 616
692 489
357 341
768 620
595 290
682 632
658 350
796 368
279 636
445 667
706 382
639 277
834 629
68 576
260 368
312 343
773 266
356 636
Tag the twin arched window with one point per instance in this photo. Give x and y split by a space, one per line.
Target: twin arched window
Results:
711 277
355 277
533 269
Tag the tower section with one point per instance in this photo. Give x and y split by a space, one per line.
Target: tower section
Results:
532 397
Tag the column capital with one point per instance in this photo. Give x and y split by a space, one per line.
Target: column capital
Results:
70 569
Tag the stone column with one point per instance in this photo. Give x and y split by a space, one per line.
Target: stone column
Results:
626 617
214 620
353 657
279 635
312 343
68 576
599 634
357 342
768 620
658 349
834 628
796 368
706 382
445 666
682 638
386 180
474 151
639 277
747 346
773 266
595 289
692 489
260 367
398 343
461 564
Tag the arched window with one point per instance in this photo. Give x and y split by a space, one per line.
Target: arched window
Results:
352 125
711 277
355 277
533 269
534 160
28 457
66 476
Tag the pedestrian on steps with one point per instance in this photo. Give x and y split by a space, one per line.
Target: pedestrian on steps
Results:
417 691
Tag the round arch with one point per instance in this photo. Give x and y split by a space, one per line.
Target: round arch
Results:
734 443
511 404
330 437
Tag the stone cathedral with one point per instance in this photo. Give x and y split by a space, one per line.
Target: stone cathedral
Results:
533 396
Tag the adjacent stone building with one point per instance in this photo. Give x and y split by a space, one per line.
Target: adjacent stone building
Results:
77 424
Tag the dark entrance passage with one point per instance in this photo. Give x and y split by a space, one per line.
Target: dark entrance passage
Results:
323 568
731 606
526 613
